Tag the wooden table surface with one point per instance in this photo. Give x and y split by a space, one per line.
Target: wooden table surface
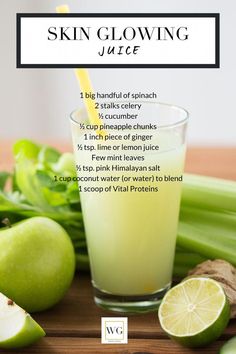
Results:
73 326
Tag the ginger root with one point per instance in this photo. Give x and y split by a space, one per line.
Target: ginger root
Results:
224 273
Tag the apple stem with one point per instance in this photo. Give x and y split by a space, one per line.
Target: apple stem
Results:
6 222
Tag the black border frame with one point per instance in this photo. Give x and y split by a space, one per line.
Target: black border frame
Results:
125 66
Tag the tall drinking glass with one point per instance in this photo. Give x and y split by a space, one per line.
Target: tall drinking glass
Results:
130 190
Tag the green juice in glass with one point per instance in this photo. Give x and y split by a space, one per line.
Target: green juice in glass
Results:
131 230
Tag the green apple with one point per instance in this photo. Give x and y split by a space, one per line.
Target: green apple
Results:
37 263
17 327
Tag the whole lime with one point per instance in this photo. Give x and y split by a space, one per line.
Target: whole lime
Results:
37 263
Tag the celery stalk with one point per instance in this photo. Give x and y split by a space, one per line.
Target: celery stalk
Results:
208 192
189 259
180 271
211 234
184 261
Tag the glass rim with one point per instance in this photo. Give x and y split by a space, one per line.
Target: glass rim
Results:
163 104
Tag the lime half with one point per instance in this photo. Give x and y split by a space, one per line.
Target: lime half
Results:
229 347
195 312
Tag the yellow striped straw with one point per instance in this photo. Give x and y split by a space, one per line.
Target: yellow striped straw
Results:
86 87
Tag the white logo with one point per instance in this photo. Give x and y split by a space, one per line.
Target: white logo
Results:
114 330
